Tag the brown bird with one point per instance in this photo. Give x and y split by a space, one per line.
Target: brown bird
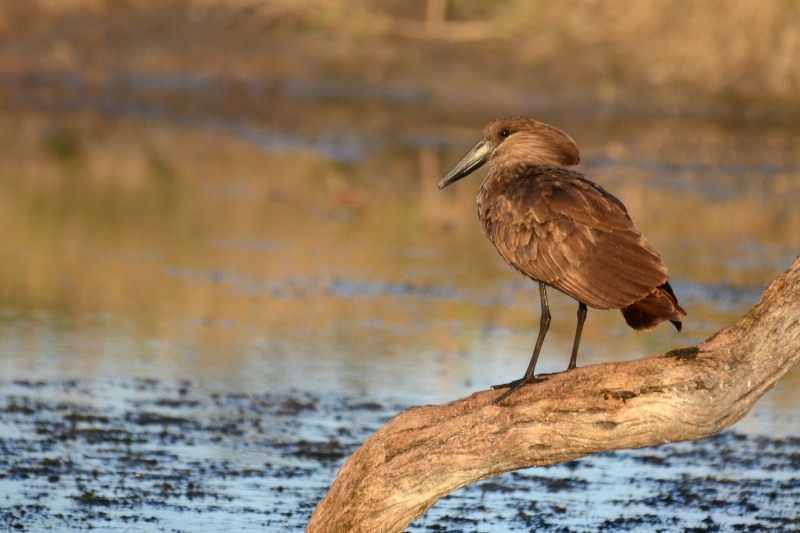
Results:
564 231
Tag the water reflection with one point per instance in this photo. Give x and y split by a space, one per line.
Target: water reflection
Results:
256 259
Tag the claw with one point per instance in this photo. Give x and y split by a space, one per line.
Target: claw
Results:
514 386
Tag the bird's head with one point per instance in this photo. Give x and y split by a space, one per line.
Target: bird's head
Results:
517 140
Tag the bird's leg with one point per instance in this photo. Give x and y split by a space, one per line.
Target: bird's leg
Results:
573 361
544 324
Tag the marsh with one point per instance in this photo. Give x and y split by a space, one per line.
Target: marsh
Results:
217 281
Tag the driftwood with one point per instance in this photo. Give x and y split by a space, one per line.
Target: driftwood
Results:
424 453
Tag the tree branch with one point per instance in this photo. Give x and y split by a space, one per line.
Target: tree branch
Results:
424 453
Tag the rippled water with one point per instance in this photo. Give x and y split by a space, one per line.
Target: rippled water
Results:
262 260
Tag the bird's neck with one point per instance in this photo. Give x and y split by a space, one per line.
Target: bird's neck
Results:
500 174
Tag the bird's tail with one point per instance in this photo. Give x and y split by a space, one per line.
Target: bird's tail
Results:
656 307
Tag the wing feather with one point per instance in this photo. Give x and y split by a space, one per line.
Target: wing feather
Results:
555 226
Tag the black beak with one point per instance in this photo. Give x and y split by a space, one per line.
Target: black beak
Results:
473 160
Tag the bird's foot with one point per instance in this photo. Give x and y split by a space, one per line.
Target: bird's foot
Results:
514 386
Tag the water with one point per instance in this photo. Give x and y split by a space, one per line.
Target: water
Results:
204 312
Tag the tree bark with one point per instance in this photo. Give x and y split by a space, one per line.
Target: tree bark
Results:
424 453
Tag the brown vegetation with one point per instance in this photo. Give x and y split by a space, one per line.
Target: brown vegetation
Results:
704 57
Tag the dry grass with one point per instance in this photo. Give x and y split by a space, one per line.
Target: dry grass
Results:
720 45
724 49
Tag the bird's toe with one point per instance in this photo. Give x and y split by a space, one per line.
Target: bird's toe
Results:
515 385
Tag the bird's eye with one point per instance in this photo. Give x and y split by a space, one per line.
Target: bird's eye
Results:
505 133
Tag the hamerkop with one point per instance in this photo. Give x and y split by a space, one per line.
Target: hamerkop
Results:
564 231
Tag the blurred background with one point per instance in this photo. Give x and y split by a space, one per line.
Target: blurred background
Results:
246 190
242 193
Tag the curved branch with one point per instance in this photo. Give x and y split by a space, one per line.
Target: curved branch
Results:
424 453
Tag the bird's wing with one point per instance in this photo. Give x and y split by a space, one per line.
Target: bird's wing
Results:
560 228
